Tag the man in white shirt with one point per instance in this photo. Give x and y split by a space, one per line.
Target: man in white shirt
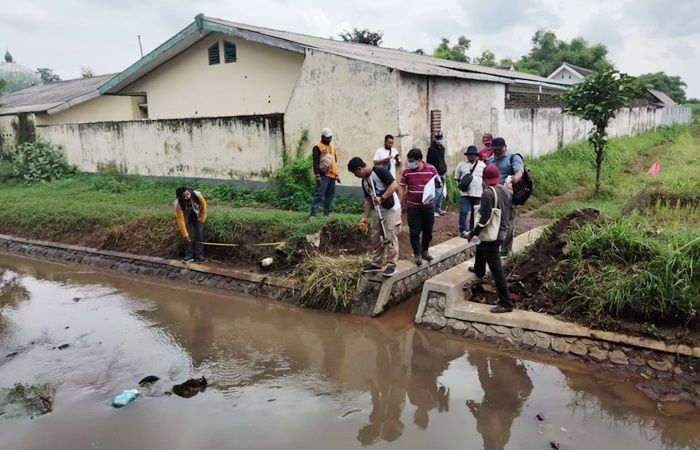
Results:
470 198
387 156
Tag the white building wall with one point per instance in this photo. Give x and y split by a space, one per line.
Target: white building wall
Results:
539 132
240 148
259 82
357 100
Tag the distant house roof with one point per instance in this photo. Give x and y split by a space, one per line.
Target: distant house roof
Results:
52 98
663 99
581 71
397 59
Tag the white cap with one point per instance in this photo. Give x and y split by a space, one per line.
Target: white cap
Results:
326 132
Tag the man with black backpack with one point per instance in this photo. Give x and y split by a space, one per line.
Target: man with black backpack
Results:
509 165
469 177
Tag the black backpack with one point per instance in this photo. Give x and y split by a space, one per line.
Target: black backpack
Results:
522 190
467 178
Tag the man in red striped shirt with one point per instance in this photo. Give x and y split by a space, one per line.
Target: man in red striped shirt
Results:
414 179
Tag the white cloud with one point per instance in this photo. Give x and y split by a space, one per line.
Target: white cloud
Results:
643 35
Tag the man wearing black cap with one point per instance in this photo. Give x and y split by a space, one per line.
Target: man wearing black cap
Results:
509 165
436 157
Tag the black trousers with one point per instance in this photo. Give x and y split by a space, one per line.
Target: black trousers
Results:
195 248
420 224
488 253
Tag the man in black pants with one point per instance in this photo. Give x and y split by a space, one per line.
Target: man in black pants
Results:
436 157
487 252
414 179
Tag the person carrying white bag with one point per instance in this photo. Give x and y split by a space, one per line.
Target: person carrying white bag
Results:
492 228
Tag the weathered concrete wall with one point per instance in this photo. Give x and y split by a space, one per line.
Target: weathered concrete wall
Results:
357 100
241 148
8 139
538 132
100 109
259 82
468 109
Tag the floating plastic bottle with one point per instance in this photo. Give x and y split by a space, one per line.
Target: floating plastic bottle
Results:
125 397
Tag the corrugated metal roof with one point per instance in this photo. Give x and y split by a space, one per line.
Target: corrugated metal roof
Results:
581 70
397 59
665 99
53 97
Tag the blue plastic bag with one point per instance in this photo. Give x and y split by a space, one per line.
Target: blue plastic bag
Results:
125 397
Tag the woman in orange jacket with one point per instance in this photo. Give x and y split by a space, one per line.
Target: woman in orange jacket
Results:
191 212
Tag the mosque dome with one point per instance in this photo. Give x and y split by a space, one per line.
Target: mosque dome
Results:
17 76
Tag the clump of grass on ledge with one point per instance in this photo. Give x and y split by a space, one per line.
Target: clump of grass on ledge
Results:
328 282
621 270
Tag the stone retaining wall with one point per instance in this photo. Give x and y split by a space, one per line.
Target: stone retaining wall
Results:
589 350
377 295
230 280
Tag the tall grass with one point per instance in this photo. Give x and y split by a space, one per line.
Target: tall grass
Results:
328 282
620 270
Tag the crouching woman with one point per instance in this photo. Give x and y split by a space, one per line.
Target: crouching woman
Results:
191 213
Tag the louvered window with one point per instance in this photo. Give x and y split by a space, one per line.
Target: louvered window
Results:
229 52
214 57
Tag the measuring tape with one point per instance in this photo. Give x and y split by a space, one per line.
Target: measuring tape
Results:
218 244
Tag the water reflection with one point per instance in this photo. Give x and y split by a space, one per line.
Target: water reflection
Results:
400 380
506 387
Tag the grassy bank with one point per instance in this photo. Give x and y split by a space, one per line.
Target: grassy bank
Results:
642 263
127 213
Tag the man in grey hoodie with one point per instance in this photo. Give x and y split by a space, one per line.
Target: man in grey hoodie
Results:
487 252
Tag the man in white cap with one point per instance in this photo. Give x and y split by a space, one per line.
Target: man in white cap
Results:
326 173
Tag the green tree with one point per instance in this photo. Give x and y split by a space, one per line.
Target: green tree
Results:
457 52
548 53
362 36
47 75
597 99
672 86
487 58
2 88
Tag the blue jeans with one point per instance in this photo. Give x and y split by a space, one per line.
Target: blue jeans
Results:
324 190
439 199
467 206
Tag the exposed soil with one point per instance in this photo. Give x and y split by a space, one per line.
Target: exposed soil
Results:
529 282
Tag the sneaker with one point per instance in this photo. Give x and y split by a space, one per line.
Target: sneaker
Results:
370 268
389 271
427 256
442 212
436 214
503 254
200 260
312 218
187 258
499 309
464 234
418 260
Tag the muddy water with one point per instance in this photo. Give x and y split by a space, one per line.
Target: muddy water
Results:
282 377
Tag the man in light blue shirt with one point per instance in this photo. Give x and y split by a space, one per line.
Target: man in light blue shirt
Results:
508 165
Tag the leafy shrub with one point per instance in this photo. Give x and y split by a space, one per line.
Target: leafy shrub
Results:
40 161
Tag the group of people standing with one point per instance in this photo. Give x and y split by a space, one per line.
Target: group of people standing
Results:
491 173
485 176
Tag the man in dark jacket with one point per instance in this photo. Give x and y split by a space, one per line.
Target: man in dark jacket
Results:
487 252
436 157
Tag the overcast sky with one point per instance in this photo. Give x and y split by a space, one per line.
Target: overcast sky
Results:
642 35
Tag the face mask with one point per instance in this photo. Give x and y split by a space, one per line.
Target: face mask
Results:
438 141
412 165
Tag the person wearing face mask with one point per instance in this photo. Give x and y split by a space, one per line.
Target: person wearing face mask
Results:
513 166
436 157
469 199
414 179
486 152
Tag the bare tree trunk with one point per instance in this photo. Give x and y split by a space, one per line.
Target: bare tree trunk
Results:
600 142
